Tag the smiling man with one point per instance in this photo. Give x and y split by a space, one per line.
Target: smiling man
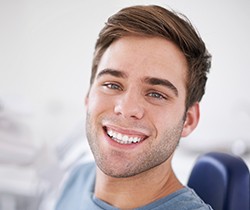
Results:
148 77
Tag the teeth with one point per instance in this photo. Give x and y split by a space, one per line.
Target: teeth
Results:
135 140
123 139
119 136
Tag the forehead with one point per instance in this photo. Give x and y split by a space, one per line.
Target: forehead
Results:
143 56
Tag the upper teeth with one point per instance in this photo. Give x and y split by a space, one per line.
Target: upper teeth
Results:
123 139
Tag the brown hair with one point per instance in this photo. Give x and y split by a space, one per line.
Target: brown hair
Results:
157 21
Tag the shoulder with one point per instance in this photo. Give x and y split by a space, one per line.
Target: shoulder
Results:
86 170
81 174
79 185
192 201
185 199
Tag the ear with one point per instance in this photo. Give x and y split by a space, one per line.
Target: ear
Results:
86 99
192 119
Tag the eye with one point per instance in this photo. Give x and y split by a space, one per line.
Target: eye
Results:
112 86
157 95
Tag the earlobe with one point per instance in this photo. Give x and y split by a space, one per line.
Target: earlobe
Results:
192 119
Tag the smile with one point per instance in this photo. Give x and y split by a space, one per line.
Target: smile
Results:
122 138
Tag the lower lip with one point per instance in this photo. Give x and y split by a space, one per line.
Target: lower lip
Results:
118 145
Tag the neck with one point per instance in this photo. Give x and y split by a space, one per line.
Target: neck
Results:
139 190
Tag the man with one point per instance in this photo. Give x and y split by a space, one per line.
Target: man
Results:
148 77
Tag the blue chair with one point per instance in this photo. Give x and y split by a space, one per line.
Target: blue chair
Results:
222 181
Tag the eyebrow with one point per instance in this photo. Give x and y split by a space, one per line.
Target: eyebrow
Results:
112 72
162 82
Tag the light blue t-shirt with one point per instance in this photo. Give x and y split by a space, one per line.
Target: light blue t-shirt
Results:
78 195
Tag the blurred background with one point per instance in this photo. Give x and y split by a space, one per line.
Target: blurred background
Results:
46 51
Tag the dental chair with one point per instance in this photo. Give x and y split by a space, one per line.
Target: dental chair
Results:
222 181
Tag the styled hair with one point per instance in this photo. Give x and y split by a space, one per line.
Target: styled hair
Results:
156 21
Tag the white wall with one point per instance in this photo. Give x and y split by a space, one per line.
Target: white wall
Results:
46 50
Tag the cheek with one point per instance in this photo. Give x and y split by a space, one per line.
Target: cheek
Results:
158 120
97 102
166 118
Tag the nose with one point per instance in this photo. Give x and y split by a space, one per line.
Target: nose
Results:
130 105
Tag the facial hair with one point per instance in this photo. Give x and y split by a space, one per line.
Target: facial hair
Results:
116 164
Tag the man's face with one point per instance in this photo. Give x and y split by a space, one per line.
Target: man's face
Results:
136 105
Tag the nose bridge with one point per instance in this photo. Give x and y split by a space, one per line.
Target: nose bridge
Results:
130 104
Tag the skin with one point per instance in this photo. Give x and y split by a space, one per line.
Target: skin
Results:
139 91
